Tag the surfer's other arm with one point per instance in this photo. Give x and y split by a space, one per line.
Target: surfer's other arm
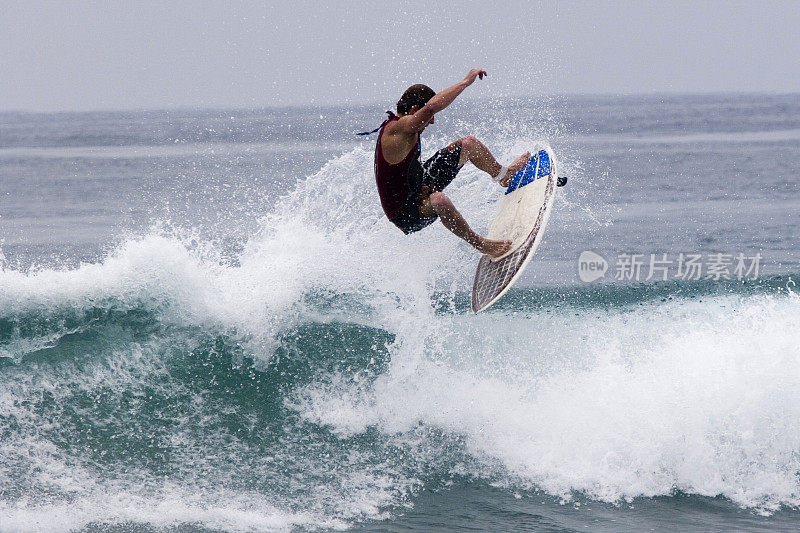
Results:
417 121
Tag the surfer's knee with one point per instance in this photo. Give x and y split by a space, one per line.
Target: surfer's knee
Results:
468 144
440 201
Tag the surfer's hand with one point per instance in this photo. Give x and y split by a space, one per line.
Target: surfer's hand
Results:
474 73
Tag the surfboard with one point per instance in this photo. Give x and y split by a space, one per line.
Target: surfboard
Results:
521 218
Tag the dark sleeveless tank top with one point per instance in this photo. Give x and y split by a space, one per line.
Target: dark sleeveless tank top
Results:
392 180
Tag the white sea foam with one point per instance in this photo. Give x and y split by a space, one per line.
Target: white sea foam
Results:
694 396
167 508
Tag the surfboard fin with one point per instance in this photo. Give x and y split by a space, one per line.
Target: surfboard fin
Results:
561 181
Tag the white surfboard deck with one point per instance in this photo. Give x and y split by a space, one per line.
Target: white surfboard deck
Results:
521 218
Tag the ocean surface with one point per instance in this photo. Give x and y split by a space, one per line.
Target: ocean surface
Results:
206 324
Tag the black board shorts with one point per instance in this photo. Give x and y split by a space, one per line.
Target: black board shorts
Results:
432 176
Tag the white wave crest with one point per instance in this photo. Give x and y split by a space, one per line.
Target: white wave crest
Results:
697 396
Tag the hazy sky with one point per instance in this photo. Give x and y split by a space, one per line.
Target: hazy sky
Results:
129 55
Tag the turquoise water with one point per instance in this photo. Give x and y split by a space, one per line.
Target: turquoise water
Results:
207 325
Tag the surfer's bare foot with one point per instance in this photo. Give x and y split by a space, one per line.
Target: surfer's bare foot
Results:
514 167
492 248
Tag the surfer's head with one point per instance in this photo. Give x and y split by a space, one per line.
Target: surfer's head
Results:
415 96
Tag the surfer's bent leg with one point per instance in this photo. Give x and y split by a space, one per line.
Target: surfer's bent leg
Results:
452 220
475 152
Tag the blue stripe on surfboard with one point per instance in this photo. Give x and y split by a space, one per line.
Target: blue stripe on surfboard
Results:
528 173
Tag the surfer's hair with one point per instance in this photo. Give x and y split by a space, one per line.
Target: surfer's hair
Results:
416 95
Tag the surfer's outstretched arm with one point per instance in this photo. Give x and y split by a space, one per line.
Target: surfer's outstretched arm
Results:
452 220
417 121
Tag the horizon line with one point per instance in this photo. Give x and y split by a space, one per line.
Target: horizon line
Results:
376 103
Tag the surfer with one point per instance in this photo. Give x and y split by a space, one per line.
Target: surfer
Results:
411 191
